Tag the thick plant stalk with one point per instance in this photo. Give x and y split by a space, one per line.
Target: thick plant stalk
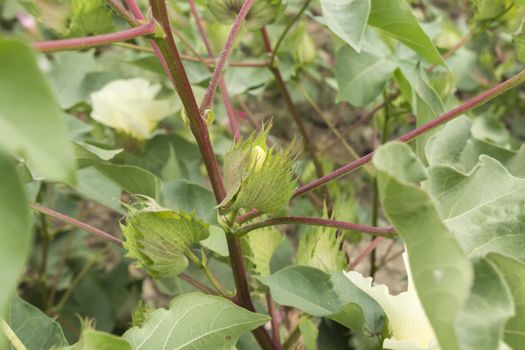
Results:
223 57
98 40
230 111
467 106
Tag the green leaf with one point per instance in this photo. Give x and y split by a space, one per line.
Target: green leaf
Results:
259 247
484 209
132 179
513 272
97 340
326 294
29 114
519 46
488 9
442 273
456 146
481 322
189 196
361 77
216 241
87 154
34 328
158 238
94 185
195 321
347 19
89 17
395 18
15 230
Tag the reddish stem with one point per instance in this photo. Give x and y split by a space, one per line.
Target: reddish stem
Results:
276 336
474 102
373 245
217 73
82 225
98 40
303 220
134 8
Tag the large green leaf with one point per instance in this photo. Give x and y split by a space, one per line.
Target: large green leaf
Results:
441 272
513 272
31 123
484 209
326 294
15 229
361 77
347 19
395 18
35 329
94 185
481 322
97 340
456 146
132 179
194 321
189 196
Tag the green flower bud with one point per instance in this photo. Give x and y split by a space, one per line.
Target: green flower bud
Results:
262 12
159 238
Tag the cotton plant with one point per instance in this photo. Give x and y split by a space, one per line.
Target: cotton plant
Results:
130 107
409 327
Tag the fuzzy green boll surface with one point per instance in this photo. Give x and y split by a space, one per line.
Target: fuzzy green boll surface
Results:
158 238
258 177
262 12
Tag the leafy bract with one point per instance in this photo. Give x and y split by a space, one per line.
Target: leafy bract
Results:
35 329
260 245
441 272
481 322
513 271
194 321
484 208
158 238
361 77
15 229
89 17
395 18
31 124
347 19
256 176
326 295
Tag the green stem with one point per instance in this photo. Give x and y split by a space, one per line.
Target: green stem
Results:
190 280
222 291
12 337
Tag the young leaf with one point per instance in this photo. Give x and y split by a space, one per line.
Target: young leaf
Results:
15 230
481 322
259 246
441 271
31 124
361 77
258 177
347 19
395 18
195 321
34 328
484 218
513 272
158 238
309 332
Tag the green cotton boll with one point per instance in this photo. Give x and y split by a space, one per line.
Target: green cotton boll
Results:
158 238
306 50
262 12
258 177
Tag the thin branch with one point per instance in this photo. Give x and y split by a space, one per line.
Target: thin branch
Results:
223 57
286 30
202 287
11 336
134 8
230 111
98 40
373 245
274 321
303 220
82 225
467 106
117 6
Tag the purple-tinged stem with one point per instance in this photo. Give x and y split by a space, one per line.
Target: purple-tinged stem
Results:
230 111
275 321
474 102
82 225
303 220
223 57
373 245
134 8
98 40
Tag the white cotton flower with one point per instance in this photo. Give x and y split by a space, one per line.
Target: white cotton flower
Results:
409 326
129 105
